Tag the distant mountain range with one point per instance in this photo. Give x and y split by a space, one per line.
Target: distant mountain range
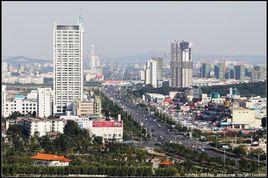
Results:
143 57
18 60
136 58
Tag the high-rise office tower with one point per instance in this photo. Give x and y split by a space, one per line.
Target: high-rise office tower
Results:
219 71
248 72
154 71
239 71
68 65
44 102
230 72
94 62
147 72
159 68
258 73
181 64
205 70
142 75
151 73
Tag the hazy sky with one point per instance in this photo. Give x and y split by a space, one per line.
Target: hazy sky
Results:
126 28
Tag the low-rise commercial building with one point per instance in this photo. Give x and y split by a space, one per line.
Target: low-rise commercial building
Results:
244 118
20 104
108 129
85 108
42 127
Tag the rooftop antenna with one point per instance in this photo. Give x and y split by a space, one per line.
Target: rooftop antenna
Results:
80 13
80 18
92 50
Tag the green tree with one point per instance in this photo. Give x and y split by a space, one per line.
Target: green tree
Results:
14 115
243 164
72 129
240 150
63 144
98 140
254 167
166 171
46 144
187 165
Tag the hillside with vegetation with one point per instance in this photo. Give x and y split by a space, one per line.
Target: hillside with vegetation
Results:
245 89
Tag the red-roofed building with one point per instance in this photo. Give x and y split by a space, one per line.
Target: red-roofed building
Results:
41 159
166 163
168 100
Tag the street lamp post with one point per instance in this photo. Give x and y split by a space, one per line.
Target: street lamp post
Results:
224 149
259 163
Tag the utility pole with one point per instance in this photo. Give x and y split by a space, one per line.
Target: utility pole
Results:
141 133
259 163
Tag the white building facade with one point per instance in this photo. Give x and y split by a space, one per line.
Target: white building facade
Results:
68 65
44 102
181 64
41 159
99 127
22 105
154 72
43 126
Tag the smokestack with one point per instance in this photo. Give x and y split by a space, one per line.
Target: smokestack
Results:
119 117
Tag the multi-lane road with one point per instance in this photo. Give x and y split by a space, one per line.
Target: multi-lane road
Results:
158 130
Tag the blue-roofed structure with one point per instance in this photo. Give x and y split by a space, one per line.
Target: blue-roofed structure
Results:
226 123
19 96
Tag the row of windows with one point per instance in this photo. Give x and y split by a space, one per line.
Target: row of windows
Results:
67 67
22 108
65 62
70 35
66 42
67 31
66 50
109 135
65 53
27 104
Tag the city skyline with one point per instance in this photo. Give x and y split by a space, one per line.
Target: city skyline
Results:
241 29
167 111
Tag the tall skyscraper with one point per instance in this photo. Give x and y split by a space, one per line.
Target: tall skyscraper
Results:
44 102
219 71
68 65
181 64
258 73
205 70
240 73
154 72
94 62
159 68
